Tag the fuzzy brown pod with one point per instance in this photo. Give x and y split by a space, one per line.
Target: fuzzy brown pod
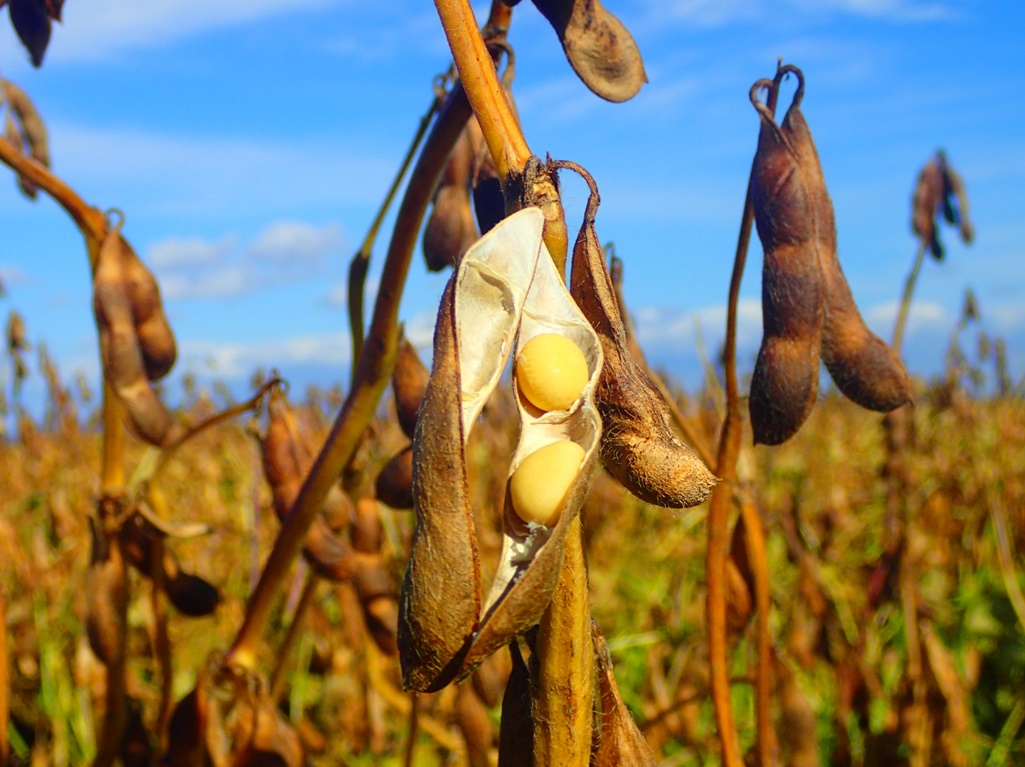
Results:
488 198
409 384
861 364
450 228
286 461
156 339
32 133
617 740
505 292
638 445
123 362
954 192
106 597
599 48
394 485
925 201
786 376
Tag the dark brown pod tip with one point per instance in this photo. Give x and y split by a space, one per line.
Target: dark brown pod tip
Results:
409 383
191 595
786 375
394 485
598 47
516 729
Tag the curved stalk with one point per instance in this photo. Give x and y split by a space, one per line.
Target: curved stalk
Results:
373 370
905 301
722 495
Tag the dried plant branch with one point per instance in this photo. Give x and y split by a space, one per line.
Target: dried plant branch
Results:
361 261
371 377
905 301
722 495
292 637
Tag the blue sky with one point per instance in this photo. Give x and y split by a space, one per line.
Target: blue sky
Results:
249 142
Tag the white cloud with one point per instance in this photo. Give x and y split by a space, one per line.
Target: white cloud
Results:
287 241
923 315
191 251
680 327
235 360
12 275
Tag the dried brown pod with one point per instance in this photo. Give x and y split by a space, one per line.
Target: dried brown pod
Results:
786 375
366 531
618 742
286 461
488 199
599 48
450 229
925 202
123 363
17 339
505 291
156 340
394 485
955 200
861 364
106 597
638 445
32 133
409 384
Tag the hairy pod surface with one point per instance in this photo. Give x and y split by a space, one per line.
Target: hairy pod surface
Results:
598 47
638 445
865 369
505 292
786 375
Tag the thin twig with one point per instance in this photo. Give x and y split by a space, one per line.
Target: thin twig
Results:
372 373
722 495
361 261
295 630
905 301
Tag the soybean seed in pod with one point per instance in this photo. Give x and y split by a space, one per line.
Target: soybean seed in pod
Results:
539 485
551 371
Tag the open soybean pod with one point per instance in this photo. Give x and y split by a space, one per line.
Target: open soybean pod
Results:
506 291
786 374
123 361
638 445
862 365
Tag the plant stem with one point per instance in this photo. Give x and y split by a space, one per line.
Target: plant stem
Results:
161 640
89 220
361 261
905 301
722 495
285 652
372 373
563 685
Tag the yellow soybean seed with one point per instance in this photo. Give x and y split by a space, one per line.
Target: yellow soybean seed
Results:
551 371
539 486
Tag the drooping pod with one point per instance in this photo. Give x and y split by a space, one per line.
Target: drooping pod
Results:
286 461
598 47
638 446
124 364
863 366
786 374
107 596
409 384
450 228
505 292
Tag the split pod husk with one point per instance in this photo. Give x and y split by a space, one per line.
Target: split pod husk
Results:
505 292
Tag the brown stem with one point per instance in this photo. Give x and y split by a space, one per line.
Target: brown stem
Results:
361 261
905 301
372 373
562 682
115 714
487 98
161 640
295 630
759 563
722 495
112 470
90 220
413 730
